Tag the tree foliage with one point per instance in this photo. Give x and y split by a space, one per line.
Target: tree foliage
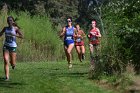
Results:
122 17
118 21
58 10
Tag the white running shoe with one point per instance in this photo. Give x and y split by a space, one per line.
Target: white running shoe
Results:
6 79
70 66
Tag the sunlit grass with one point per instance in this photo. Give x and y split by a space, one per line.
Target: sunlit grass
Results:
49 77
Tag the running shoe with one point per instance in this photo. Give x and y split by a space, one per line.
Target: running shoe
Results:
6 79
70 66
83 56
13 67
81 61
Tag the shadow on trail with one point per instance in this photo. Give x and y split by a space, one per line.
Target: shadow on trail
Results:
72 74
9 84
78 64
75 74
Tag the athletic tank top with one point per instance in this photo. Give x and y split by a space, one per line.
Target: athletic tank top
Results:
95 32
78 39
9 39
69 33
93 38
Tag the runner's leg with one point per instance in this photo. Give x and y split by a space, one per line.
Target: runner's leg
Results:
78 50
70 47
83 51
13 59
6 63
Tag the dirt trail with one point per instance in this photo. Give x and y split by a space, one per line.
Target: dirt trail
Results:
135 87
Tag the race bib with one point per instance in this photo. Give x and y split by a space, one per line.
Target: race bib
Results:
93 38
69 38
78 40
9 39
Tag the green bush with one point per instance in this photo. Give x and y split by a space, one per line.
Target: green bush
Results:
40 42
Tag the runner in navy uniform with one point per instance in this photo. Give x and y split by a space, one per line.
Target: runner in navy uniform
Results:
68 32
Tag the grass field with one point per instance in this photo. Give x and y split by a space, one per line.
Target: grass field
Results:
49 77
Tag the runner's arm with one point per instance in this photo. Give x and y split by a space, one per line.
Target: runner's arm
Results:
88 35
83 34
19 34
62 32
99 34
75 33
1 33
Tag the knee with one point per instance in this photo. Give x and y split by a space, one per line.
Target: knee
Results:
6 60
69 52
79 53
83 52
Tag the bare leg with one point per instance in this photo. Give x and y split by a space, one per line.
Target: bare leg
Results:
65 48
6 63
13 59
70 47
79 52
83 52
91 48
68 53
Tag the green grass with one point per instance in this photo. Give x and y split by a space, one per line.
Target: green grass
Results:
39 36
49 77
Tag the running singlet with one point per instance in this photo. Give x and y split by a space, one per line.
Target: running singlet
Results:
78 40
68 39
93 38
9 39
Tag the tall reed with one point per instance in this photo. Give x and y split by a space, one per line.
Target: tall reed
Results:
41 42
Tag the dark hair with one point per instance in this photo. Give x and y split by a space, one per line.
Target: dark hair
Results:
77 24
10 17
69 18
14 24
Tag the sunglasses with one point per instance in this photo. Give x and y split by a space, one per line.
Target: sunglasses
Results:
69 21
93 23
10 20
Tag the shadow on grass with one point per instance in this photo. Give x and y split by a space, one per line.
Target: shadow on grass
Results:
78 64
9 84
73 74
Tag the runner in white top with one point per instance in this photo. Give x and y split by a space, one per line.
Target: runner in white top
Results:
9 47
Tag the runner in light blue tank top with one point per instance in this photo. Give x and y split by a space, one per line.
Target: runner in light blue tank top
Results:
9 47
10 40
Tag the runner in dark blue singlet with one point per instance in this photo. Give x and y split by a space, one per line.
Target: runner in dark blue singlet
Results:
68 32
68 39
